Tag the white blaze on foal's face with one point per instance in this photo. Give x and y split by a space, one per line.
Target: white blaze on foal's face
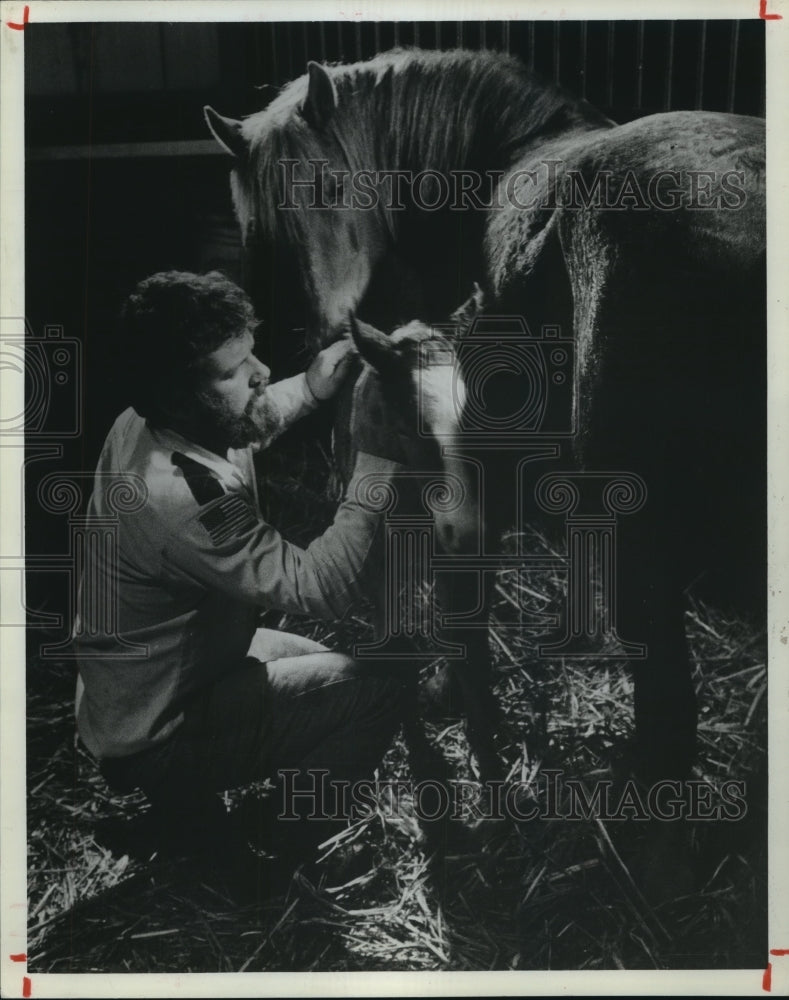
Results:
440 391
423 387
441 397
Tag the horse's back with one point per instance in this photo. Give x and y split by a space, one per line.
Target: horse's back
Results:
688 185
698 175
649 239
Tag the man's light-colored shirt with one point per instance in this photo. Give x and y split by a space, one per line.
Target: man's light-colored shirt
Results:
192 570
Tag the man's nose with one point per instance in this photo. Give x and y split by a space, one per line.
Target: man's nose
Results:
261 376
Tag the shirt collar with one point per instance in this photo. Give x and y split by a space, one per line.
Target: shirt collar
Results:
233 471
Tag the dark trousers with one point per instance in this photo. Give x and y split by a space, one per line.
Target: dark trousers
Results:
290 705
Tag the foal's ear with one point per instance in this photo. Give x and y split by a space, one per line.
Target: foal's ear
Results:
321 99
227 132
376 348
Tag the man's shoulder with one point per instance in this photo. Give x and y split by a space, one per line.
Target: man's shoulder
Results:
177 486
190 499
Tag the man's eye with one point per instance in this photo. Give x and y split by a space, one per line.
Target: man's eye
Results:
239 368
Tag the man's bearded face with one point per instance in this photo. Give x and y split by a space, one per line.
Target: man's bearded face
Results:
255 425
232 402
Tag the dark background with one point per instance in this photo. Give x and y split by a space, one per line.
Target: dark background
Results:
122 178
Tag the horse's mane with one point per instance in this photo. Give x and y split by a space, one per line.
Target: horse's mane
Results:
417 109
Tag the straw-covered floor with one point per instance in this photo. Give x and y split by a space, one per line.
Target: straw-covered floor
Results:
543 894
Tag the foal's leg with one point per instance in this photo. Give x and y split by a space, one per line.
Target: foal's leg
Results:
467 681
426 762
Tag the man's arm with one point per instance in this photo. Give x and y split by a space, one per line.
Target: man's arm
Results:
292 398
228 547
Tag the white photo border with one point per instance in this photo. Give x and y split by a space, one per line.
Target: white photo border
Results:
13 906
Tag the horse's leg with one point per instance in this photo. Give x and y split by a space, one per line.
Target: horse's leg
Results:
665 345
455 593
626 396
466 683
651 610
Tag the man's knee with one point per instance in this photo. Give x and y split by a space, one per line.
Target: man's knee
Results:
380 690
318 670
380 678
270 644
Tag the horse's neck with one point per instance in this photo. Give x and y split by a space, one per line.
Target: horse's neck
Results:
458 113
563 126
472 112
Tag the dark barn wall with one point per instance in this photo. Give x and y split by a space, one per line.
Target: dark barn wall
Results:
105 208
105 82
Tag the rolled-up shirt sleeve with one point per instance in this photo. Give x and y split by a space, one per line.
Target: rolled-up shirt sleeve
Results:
227 546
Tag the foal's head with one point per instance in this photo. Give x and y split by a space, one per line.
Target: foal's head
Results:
416 387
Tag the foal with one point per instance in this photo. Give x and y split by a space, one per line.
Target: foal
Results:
410 386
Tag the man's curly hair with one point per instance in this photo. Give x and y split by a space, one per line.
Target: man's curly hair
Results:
168 324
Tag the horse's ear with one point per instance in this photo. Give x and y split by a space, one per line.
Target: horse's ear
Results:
321 99
227 132
376 348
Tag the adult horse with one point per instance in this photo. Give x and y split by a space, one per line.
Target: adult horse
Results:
399 181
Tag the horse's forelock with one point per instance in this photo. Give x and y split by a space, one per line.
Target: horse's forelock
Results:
243 203
273 140
280 133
